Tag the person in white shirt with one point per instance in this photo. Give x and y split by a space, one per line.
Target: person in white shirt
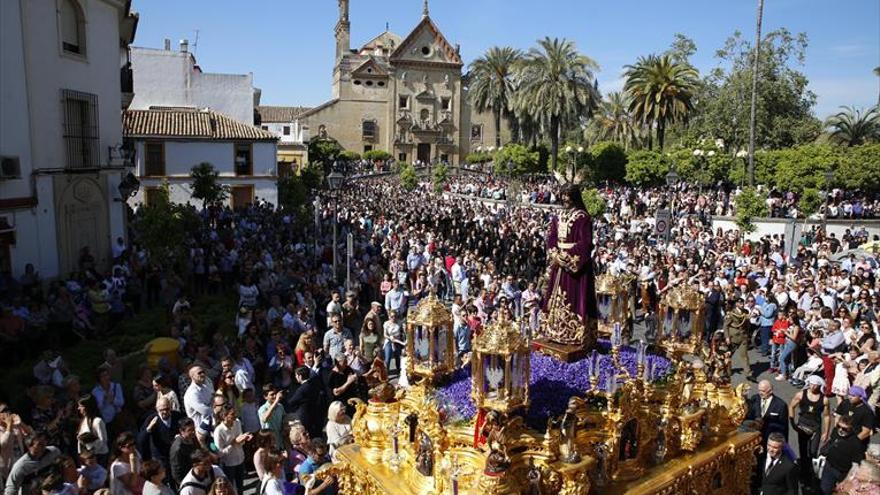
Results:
199 479
229 440
338 426
272 481
197 399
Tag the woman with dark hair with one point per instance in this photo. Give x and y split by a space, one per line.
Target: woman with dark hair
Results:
92 432
162 386
126 467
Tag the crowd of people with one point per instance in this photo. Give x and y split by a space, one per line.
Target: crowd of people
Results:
271 394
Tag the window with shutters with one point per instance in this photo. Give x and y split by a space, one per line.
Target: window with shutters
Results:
80 129
71 23
244 163
154 158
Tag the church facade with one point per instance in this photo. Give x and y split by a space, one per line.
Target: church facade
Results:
407 96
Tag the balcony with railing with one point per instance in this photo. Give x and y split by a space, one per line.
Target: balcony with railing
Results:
126 82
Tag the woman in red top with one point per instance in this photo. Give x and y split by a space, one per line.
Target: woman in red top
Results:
777 340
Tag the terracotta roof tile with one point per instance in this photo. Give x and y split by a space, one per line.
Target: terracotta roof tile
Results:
189 123
272 114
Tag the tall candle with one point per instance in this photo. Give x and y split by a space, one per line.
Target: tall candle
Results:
394 444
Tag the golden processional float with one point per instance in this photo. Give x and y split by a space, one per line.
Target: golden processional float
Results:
625 419
615 302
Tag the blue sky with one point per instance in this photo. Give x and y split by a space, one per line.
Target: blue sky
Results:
288 44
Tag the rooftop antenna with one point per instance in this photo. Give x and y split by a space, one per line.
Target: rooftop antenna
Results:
387 26
196 42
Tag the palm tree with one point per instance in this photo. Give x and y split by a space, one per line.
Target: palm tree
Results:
614 121
852 127
556 85
491 85
660 91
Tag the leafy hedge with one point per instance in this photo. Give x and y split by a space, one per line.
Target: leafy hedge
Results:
794 169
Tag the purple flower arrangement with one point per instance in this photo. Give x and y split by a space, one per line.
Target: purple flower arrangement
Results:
552 383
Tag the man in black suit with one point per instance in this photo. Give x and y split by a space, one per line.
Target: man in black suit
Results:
158 432
770 411
777 473
307 402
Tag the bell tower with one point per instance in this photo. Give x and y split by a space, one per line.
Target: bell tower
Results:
343 31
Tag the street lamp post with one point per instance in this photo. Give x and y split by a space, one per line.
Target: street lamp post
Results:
744 155
672 179
334 182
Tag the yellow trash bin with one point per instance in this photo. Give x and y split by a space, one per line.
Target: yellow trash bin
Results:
162 347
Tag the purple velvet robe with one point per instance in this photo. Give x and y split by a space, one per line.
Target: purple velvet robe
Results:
579 285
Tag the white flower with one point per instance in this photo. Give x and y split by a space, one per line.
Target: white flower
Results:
742 154
580 149
719 143
569 149
711 153
698 152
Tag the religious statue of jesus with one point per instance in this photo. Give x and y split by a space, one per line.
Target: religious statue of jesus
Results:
569 314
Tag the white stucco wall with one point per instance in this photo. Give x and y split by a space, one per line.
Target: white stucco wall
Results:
48 72
770 226
265 189
35 234
298 133
169 78
14 120
181 156
34 72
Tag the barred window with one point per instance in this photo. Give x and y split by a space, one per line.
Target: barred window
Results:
369 129
80 129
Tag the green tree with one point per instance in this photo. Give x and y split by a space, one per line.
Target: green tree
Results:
478 158
614 122
324 152
804 167
647 168
681 49
608 161
750 204
555 85
408 179
349 156
491 84
660 91
516 159
440 174
206 185
859 168
295 191
784 102
809 203
594 202
163 227
377 155
293 194
852 127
